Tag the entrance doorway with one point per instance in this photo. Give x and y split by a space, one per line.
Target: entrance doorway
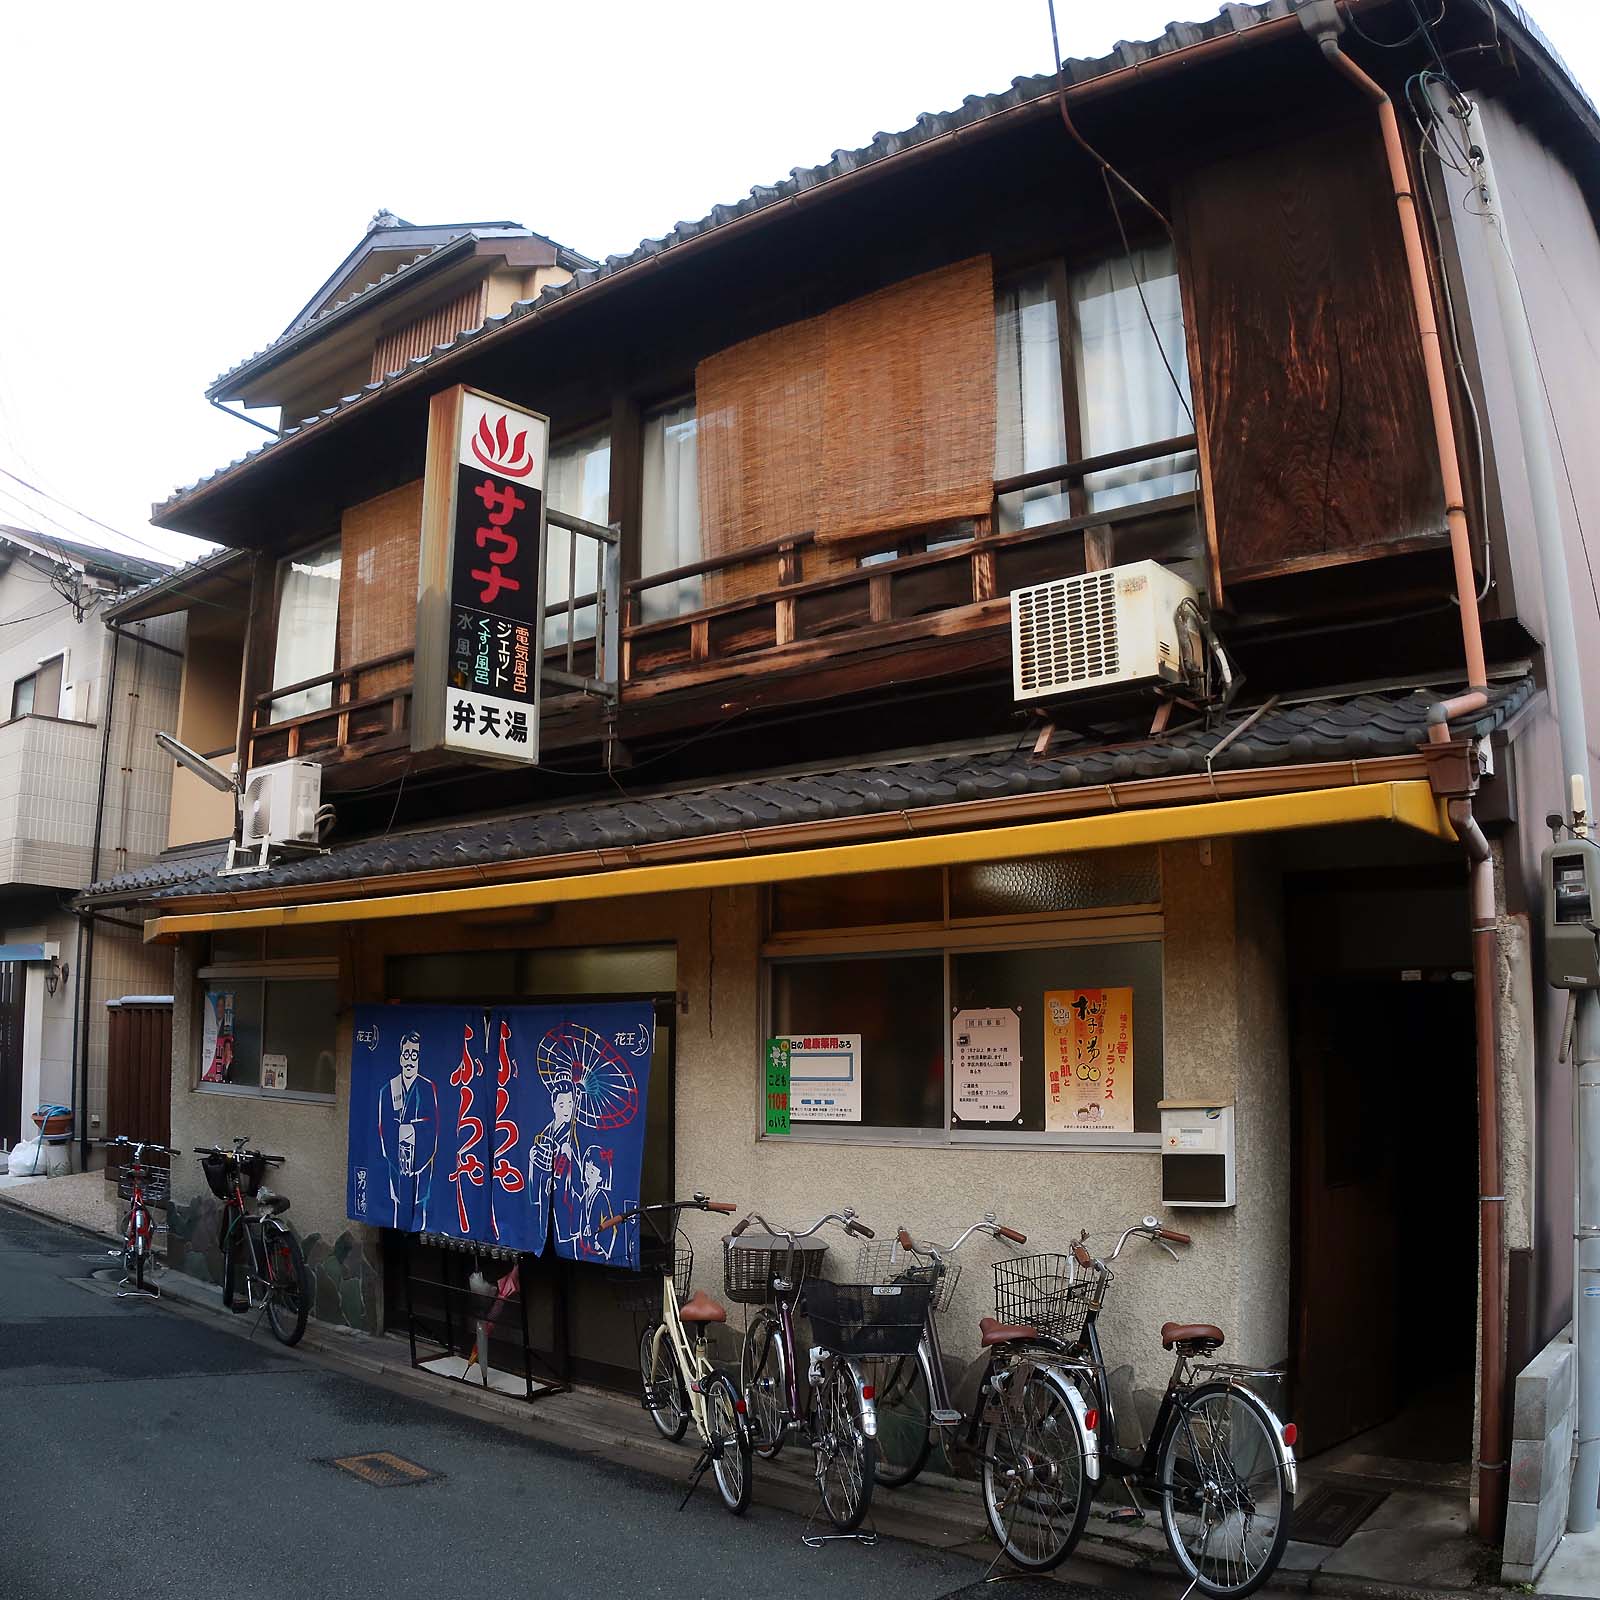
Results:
1385 1218
13 978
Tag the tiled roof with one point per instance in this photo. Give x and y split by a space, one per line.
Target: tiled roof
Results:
1233 18
1359 726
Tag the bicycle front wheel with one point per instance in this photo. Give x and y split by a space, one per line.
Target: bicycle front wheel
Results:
288 1285
764 1369
846 1455
662 1383
905 1423
1036 1485
730 1444
1226 1501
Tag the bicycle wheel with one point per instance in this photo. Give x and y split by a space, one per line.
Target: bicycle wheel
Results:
730 1443
764 1371
288 1284
845 1454
1226 1501
662 1383
904 1407
1036 1486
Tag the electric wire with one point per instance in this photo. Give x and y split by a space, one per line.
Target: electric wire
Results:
1394 44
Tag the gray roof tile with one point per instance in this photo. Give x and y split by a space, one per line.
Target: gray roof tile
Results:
1372 724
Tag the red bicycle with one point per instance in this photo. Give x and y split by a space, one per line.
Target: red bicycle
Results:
141 1186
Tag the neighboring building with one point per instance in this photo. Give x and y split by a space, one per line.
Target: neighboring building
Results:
837 425
83 792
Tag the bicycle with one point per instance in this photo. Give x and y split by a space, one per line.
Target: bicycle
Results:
677 1380
838 1420
1030 1431
141 1187
1217 1456
264 1245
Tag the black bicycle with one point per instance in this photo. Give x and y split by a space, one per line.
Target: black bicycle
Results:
260 1245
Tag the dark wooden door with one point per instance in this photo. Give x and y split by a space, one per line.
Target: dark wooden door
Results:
139 1075
1345 1378
12 976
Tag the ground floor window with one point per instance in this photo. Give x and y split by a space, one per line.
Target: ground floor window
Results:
1012 1000
268 1027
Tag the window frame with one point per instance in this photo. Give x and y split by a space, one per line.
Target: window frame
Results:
636 602
1144 924
280 567
311 970
33 678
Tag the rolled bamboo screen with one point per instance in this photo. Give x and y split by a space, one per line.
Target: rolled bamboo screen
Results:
908 415
875 417
378 585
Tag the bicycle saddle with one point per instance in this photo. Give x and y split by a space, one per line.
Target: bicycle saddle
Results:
1191 1337
993 1332
700 1307
275 1203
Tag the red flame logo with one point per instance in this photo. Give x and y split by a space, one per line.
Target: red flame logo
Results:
498 451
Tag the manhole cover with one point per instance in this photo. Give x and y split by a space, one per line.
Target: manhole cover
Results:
383 1469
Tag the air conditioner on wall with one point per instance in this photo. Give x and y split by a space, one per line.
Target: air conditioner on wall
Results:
277 815
1115 628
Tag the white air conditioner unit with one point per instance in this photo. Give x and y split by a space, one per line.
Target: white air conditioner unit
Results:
1117 627
279 804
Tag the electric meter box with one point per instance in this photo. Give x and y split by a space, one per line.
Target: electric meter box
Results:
1196 1153
1571 901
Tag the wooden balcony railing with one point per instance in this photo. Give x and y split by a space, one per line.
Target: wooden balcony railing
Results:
919 597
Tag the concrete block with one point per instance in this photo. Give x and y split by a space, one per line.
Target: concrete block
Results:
1540 1466
1544 1392
1533 1531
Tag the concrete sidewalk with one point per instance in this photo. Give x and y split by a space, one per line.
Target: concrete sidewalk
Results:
1417 1543
84 1199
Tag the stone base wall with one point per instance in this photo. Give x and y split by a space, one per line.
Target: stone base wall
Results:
1543 1422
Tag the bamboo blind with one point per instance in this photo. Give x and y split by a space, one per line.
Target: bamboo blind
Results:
439 326
876 417
378 585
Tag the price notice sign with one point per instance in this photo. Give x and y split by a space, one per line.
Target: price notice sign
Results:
777 1087
480 601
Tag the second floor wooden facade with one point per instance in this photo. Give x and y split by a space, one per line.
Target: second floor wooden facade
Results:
836 433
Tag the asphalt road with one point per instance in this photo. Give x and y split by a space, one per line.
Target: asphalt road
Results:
147 1451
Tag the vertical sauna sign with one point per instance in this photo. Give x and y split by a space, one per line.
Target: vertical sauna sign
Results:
480 579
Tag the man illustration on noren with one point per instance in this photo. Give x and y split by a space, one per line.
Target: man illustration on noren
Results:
408 1133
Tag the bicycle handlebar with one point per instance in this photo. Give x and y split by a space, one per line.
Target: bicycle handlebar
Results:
123 1142
1152 1228
846 1219
698 1202
238 1153
986 1224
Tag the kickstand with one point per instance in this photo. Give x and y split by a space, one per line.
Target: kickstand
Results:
697 1472
815 1541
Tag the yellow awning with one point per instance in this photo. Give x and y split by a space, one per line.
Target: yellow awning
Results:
1411 804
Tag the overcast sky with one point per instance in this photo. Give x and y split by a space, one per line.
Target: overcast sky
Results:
178 179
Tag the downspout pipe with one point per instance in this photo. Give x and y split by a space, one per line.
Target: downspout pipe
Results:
1322 21
86 954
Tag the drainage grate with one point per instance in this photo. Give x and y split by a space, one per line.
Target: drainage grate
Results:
384 1470
1332 1512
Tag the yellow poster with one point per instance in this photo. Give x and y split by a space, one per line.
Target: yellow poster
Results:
1088 1059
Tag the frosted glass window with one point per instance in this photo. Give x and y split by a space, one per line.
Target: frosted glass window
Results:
1090 881
670 510
580 485
308 629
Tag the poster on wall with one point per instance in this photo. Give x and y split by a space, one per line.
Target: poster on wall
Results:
512 1126
986 1060
1088 1069
775 1106
216 1036
824 1077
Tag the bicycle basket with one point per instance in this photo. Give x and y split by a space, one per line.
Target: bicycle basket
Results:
1049 1293
215 1171
156 1181
887 1261
752 1262
867 1319
641 1290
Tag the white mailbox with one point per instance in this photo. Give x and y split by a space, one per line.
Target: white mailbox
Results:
1196 1153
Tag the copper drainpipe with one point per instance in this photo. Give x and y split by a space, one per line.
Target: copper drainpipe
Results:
1323 23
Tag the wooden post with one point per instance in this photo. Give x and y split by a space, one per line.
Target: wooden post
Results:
1099 549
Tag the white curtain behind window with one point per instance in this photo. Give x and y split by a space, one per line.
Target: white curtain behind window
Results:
1030 430
1124 391
670 514
579 484
308 629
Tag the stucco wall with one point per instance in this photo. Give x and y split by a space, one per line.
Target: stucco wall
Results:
1219 937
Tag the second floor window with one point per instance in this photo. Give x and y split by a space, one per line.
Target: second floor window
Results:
580 485
670 510
308 629
1122 386
39 694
